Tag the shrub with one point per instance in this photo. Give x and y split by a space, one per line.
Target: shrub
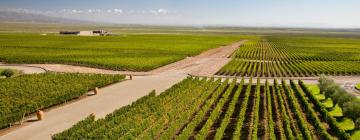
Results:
325 83
357 123
352 110
340 97
330 90
7 73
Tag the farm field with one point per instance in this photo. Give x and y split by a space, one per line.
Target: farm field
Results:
179 70
213 109
23 95
122 52
295 56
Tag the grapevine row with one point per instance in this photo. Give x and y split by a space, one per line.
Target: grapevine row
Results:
23 95
215 109
271 56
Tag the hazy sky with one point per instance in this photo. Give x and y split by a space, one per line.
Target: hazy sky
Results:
290 13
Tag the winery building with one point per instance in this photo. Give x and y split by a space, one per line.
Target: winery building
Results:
86 33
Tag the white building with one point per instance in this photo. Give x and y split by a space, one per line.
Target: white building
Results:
86 33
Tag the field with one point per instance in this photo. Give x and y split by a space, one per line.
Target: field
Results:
26 94
213 109
195 108
295 56
122 52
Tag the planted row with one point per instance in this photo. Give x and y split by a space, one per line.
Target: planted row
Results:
26 94
273 56
203 108
262 68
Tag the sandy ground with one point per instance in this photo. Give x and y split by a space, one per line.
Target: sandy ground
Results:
23 69
117 95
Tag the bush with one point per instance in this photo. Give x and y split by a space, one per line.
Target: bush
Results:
340 96
330 90
352 110
7 73
357 123
325 83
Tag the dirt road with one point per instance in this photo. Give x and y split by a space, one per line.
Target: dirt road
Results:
23 69
118 95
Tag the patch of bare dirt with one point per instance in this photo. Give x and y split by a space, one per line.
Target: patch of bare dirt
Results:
205 64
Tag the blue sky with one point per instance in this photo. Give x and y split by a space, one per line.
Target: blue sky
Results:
278 13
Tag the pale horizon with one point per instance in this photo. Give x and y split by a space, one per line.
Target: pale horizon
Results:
255 13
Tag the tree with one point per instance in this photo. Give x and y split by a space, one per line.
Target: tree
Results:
325 83
357 123
345 98
352 110
330 90
7 73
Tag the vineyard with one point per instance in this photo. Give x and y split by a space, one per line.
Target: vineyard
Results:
128 52
26 94
280 56
208 108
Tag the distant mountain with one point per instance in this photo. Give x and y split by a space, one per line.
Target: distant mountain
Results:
11 16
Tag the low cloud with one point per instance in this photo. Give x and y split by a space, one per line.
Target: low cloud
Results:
113 15
159 11
115 11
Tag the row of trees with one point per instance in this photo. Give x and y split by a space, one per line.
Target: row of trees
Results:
349 103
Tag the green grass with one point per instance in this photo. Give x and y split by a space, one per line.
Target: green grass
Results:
126 52
328 103
347 124
320 97
316 91
336 111
356 135
27 93
357 86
